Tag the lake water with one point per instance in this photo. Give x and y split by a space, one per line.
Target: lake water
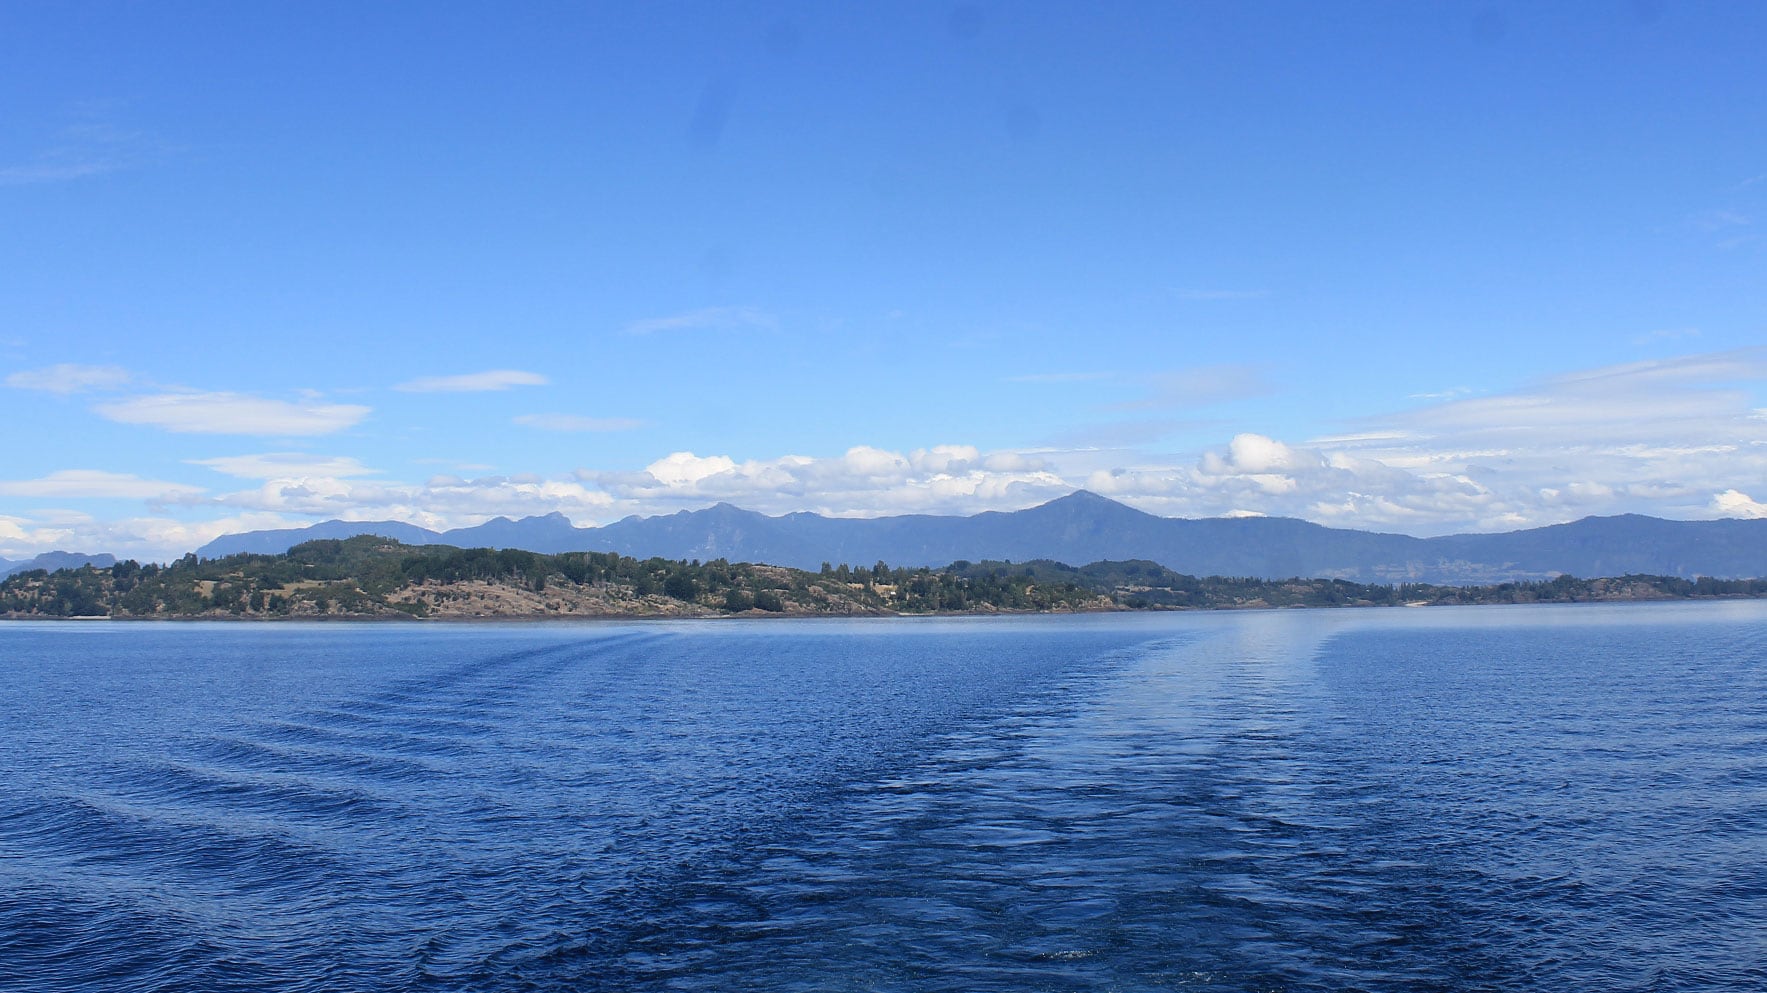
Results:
1491 798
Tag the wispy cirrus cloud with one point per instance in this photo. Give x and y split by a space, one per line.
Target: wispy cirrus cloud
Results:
1201 386
233 413
83 150
490 380
66 484
286 465
1665 334
1119 434
1451 393
1677 399
1711 221
577 423
67 377
707 319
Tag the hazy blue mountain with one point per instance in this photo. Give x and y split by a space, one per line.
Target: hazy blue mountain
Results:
277 541
56 560
1616 546
1084 527
551 534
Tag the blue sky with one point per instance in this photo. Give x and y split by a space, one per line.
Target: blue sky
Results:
1412 267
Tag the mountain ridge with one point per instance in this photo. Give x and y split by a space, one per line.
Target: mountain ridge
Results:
1086 527
51 561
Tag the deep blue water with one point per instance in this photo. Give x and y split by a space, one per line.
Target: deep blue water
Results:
1475 799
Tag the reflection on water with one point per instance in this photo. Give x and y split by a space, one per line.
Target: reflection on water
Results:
1406 800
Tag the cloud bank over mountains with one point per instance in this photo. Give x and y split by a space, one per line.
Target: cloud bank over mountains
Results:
1678 438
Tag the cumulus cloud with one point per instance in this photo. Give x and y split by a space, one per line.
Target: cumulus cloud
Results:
863 481
80 484
68 377
686 468
707 319
439 502
1255 474
232 413
1251 454
578 423
1679 438
147 538
488 381
1668 437
1735 503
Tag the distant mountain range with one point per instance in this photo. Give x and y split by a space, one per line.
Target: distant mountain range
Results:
55 560
1084 527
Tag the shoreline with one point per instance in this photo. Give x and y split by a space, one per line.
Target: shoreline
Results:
755 616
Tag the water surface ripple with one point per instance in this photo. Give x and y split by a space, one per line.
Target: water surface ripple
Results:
1488 798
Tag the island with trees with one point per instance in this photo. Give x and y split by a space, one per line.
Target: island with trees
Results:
370 577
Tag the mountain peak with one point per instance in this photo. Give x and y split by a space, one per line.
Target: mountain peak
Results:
1086 501
724 508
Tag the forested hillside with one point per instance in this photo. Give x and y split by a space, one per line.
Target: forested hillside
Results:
368 577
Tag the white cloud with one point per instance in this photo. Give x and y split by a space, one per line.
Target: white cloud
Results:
866 462
946 458
69 378
864 481
575 422
1251 454
707 319
151 539
474 382
1668 437
684 468
1735 503
440 502
1260 475
286 465
65 484
1679 438
232 413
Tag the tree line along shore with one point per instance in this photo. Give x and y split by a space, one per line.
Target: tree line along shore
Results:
370 577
